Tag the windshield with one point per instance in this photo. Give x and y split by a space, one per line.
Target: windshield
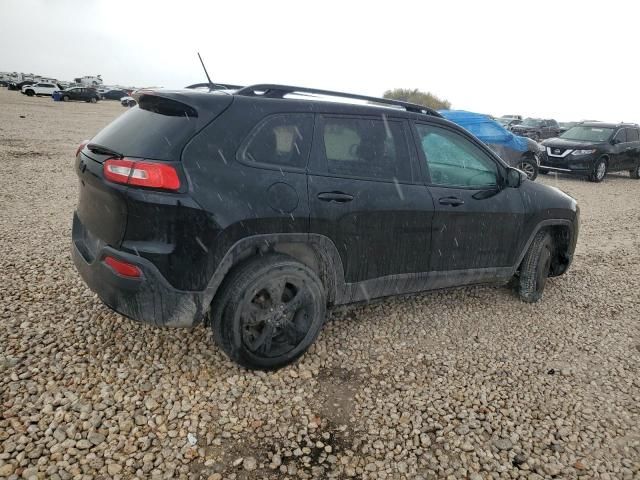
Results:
531 122
587 134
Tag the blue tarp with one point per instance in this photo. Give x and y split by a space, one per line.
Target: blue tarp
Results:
487 130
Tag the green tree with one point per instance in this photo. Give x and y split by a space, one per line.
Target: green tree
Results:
414 95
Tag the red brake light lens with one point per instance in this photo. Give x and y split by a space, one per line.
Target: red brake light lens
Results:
81 146
142 173
123 268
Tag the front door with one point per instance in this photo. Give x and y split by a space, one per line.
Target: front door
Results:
477 221
366 196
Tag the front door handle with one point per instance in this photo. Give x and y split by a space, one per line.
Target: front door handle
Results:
338 197
451 201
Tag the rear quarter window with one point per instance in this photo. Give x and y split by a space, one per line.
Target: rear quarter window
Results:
282 140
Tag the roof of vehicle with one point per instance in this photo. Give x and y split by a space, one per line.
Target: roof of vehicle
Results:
607 124
301 95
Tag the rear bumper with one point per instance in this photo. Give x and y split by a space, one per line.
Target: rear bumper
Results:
149 299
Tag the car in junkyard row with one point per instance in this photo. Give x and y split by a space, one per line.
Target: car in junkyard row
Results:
520 152
537 128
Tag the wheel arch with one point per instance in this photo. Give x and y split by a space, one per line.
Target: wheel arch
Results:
563 235
315 251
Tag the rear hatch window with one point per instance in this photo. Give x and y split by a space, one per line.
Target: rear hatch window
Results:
157 129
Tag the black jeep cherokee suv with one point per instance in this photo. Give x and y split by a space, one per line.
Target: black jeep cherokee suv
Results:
593 149
254 210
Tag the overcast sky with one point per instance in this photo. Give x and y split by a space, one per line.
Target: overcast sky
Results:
568 60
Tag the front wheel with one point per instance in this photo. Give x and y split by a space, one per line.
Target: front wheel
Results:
530 167
65 98
30 93
599 171
535 267
268 312
93 100
635 172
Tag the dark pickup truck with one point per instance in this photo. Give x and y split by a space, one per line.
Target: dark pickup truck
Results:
537 128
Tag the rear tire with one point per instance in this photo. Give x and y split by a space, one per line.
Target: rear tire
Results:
535 267
635 172
268 312
93 100
599 171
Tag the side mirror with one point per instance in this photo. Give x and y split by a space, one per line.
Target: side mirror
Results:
614 141
515 177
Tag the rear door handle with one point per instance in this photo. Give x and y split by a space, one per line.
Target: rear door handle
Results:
338 197
451 201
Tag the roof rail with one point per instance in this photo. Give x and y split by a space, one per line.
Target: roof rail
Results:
279 91
215 86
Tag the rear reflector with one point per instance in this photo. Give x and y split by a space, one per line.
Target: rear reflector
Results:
142 173
123 268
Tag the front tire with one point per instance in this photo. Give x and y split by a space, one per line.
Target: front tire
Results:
535 267
268 312
599 171
65 98
30 93
93 100
635 172
530 167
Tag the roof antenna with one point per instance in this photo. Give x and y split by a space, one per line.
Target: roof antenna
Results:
205 72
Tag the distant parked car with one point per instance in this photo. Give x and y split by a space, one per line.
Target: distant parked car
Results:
18 85
128 101
564 126
80 93
42 88
114 94
512 117
593 149
508 122
537 128
522 153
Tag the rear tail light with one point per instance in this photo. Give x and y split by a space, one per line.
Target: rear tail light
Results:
81 146
142 173
123 268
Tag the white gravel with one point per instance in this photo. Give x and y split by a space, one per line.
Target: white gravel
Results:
469 383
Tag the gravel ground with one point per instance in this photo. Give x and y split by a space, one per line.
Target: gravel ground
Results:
469 383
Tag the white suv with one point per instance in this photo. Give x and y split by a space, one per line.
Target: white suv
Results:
40 89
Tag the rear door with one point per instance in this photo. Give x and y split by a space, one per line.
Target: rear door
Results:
366 195
476 221
633 147
619 157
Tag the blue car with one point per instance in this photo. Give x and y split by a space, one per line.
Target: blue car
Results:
520 152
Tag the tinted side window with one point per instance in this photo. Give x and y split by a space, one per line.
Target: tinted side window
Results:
621 136
454 161
282 140
364 147
633 135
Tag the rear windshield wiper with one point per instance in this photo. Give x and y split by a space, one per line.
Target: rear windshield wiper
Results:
102 150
